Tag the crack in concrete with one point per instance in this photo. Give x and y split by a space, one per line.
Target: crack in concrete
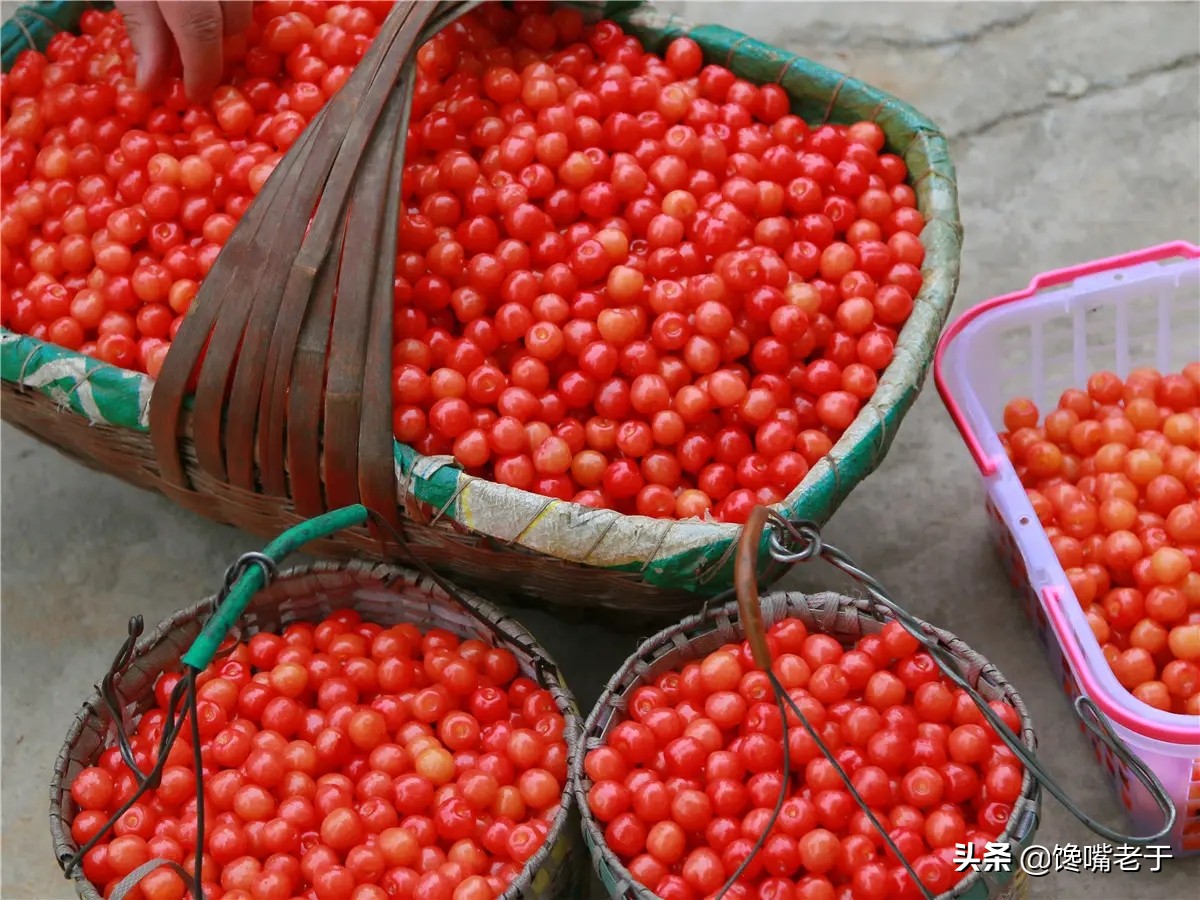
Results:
856 40
1093 90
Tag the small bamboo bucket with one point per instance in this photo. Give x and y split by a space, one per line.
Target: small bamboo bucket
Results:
839 616
384 594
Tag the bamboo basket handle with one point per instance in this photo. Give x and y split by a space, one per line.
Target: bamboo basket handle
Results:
745 578
292 392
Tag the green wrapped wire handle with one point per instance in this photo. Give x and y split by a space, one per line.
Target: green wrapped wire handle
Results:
253 578
253 571
242 580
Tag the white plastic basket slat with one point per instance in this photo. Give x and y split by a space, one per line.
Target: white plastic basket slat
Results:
1142 309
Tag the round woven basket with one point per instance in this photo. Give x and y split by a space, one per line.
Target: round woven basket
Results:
383 594
842 617
532 548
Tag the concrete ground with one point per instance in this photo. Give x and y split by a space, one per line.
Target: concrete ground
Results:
1075 131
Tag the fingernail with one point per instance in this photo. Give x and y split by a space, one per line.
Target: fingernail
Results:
141 72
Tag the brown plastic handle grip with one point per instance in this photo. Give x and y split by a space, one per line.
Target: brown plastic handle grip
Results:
745 579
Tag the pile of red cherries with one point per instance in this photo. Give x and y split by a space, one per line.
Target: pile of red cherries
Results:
633 281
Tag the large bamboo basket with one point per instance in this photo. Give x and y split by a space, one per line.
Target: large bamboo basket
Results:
380 593
527 546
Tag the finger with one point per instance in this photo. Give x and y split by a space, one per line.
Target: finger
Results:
151 40
238 15
198 28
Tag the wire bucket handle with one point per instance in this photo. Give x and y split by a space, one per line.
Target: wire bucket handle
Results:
796 542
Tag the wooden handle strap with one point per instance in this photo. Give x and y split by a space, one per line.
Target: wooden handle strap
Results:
265 249
223 290
745 575
300 345
304 400
376 460
293 393
233 351
193 338
300 401
323 190
266 301
352 314
377 469
265 239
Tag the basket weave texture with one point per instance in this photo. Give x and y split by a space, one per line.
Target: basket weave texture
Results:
380 593
550 551
842 617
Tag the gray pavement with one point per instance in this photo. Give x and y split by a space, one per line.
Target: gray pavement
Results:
1076 131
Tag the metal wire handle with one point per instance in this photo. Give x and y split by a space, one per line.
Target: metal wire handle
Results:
807 545
107 689
181 706
745 576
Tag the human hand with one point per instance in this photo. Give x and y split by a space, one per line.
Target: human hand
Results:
196 27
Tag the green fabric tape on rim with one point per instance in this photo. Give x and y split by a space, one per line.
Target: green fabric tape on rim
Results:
37 23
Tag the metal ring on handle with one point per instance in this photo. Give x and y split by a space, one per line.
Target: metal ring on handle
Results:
1095 721
806 534
238 569
252 559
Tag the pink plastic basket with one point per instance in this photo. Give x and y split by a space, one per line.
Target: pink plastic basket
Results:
1134 310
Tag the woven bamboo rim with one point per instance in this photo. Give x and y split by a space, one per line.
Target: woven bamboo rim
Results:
384 594
845 618
267 440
